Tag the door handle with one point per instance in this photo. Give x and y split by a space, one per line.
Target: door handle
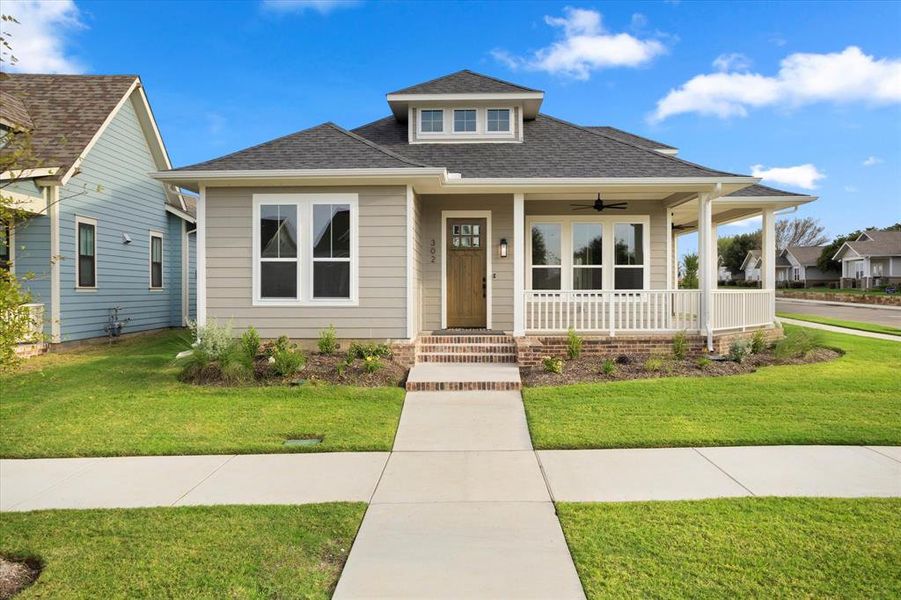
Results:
484 287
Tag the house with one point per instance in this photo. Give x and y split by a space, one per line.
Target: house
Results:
467 209
802 269
98 238
750 266
872 260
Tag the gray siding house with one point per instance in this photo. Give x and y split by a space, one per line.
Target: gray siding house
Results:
872 260
468 210
802 269
96 232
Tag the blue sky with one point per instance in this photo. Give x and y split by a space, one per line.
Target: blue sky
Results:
771 85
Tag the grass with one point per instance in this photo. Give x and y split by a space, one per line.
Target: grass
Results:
855 399
125 400
872 327
189 552
737 548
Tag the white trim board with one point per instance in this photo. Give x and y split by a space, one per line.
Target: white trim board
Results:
489 273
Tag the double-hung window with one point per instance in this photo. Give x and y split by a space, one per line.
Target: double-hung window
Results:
86 246
628 256
156 260
588 252
431 121
465 120
305 249
498 120
546 256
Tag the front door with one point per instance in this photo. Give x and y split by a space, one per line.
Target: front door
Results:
466 273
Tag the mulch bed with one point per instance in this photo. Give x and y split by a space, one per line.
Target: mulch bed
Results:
321 368
16 575
588 369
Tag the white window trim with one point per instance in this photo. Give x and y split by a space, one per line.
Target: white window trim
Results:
509 130
608 268
304 204
153 234
87 221
421 133
467 214
453 121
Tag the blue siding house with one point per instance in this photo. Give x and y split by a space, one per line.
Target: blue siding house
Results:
100 236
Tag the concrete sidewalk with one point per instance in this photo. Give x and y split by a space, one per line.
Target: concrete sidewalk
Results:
834 329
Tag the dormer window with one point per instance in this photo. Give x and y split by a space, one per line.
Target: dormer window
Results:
432 121
498 120
465 120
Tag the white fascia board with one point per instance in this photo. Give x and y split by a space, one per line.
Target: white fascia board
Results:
842 248
28 173
180 213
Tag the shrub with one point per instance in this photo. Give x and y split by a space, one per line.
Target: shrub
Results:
214 339
653 364
608 367
703 362
796 344
250 343
739 351
553 365
680 346
573 344
372 363
758 342
343 365
361 351
16 322
328 340
286 359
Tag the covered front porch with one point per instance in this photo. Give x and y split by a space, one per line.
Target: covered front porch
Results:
540 264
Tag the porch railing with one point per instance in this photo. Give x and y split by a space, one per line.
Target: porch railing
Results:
35 331
643 311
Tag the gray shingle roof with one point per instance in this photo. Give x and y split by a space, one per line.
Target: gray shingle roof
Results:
325 146
13 112
465 82
758 190
66 111
625 136
550 148
806 255
884 243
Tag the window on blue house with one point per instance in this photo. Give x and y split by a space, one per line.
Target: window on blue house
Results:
156 260
86 266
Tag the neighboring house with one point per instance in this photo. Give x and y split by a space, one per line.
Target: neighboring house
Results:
467 208
802 270
99 232
872 260
750 266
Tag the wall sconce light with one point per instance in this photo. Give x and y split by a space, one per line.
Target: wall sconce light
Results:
503 248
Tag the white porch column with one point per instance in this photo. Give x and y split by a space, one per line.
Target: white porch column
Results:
201 258
768 256
705 279
519 264
714 256
55 258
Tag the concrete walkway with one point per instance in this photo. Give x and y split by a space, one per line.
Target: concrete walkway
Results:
834 329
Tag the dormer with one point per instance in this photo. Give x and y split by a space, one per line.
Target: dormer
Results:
465 107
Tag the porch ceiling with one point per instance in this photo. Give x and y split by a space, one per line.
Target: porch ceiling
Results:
730 209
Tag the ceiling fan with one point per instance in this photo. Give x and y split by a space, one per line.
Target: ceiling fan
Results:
600 206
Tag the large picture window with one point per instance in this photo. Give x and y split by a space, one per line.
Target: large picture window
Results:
305 249
156 260
587 253
86 265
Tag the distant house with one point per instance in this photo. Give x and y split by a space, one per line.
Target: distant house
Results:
802 269
99 233
751 266
872 260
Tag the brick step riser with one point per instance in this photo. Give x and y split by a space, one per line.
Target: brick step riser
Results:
466 358
463 386
466 339
467 348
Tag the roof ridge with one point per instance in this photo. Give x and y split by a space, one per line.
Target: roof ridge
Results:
647 150
373 145
471 72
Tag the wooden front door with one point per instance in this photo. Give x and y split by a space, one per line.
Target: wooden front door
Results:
466 273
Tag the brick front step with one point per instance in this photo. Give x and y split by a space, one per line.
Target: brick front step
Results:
463 386
467 357
466 339
467 348
436 377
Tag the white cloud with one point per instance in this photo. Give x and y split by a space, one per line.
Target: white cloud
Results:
839 77
872 161
38 40
585 47
323 7
735 61
803 176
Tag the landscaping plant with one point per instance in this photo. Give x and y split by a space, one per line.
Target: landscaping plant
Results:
703 362
680 346
286 358
328 340
250 342
361 351
653 364
573 344
553 364
608 367
758 342
797 344
16 321
372 363
739 351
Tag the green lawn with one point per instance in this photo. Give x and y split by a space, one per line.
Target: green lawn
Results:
826 290
127 401
872 327
191 552
853 400
737 548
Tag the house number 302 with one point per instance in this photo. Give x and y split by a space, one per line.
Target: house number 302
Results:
432 251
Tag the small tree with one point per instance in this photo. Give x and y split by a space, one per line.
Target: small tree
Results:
805 231
689 272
